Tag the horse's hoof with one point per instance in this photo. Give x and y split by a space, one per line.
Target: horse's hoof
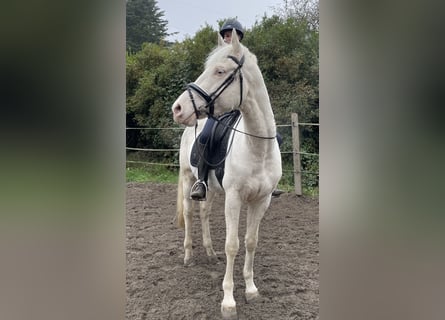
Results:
188 257
211 252
252 296
212 260
229 313
188 262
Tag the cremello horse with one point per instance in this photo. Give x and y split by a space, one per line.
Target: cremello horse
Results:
231 80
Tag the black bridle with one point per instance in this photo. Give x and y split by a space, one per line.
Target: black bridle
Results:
211 98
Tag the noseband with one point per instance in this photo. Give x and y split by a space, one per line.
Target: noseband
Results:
211 98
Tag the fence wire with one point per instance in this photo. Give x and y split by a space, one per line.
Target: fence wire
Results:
182 128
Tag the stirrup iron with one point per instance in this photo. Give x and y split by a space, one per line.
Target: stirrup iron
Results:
198 184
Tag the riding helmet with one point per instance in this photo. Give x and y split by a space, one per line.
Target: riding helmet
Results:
232 24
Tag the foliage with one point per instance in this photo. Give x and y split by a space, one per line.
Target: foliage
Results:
287 52
145 23
290 71
156 75
308 10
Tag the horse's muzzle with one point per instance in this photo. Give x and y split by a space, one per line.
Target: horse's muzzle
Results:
177 110
182 117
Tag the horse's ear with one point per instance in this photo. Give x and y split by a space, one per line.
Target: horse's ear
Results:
235 42
220 41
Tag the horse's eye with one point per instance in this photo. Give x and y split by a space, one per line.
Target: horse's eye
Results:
220 71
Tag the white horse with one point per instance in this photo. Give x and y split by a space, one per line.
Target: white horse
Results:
231 80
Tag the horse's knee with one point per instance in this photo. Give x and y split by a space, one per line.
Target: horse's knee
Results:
188 215
207 243
251 243
204 215
232 248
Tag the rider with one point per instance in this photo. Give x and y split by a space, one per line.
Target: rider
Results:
199 189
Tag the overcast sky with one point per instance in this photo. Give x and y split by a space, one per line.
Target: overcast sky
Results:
188 16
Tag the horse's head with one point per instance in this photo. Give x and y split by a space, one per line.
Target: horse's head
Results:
220 88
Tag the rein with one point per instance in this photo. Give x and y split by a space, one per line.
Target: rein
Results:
239 131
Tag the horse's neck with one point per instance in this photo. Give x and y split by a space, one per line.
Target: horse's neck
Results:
258 118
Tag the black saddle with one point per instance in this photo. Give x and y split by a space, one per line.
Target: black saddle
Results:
217 145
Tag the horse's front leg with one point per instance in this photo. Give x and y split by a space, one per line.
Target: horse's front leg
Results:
205 210
255 213
188 220
232 211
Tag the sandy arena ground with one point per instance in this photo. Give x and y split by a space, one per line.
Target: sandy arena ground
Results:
159 286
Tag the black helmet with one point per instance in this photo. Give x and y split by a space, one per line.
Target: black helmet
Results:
232 24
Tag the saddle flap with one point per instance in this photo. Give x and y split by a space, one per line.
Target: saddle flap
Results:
217 145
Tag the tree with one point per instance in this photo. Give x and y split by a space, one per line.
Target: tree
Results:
156 75
302 10
287 52
290 69
145 23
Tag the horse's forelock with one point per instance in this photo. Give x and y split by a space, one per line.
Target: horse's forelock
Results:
220 53
216 55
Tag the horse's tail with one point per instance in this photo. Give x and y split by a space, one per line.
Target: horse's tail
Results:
180 204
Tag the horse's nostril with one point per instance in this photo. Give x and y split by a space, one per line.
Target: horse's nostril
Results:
177 109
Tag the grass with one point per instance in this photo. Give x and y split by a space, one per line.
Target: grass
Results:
158 174
164 174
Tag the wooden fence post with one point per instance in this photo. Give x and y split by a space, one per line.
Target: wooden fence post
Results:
296 154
